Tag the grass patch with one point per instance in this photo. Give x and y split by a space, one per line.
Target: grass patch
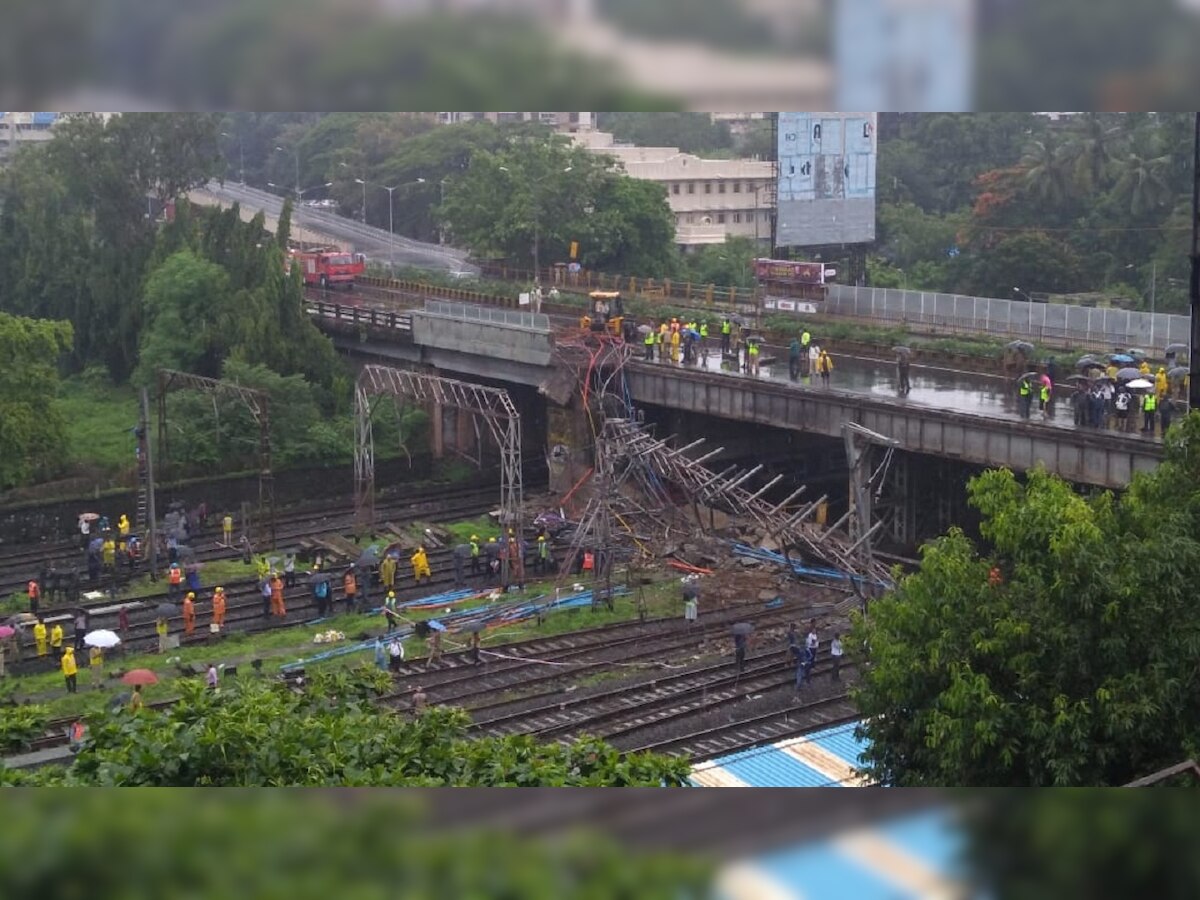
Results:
99 417
281 646
483 526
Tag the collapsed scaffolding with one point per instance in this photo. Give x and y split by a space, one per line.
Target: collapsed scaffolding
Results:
647 492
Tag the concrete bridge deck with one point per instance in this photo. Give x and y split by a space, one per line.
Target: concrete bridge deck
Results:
952 415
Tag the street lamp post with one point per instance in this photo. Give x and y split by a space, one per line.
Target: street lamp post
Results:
241 155
391 191
536 204
300 200
296 155
1017 290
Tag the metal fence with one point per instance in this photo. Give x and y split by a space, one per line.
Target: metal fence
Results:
1074 325
509 318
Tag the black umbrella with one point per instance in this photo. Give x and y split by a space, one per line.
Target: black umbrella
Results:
369 558
1033 375
164 610
1128 374
902 351
742 628
691 592
1078 378
472 627
1175 349
318 577
1178 373
1023 346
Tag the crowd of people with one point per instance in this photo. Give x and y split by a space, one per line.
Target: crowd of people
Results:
1118 399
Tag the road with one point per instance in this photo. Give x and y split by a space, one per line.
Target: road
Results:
376 243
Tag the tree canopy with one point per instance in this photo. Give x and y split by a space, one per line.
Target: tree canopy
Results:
32 432
1091 203
547 187
264 734
1078 668
311 845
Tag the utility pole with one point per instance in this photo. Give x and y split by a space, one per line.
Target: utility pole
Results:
1194 291
151 514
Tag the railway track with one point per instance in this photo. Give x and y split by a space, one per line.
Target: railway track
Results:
244 603
298 522
764 728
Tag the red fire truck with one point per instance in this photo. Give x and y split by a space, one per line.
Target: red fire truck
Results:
328 267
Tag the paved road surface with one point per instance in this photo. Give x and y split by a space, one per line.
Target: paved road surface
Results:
376 243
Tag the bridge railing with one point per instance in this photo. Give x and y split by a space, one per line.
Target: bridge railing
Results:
507 318
361 316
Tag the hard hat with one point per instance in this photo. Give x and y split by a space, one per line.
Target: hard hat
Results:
391 593
541 537
191 596
474 537
220 590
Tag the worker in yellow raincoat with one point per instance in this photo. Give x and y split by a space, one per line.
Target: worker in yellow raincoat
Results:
420 564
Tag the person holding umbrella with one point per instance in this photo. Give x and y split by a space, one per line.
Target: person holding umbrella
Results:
1025 394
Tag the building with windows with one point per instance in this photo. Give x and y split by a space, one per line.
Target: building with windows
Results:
17 128
565 122
712 199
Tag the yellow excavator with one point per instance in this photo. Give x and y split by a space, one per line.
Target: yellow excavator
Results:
606 311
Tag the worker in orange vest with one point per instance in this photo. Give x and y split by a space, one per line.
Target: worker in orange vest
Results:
277 607
350 586
174 582
189 613
218 610
34 592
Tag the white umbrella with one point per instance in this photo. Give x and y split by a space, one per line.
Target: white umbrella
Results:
1140 384
104 639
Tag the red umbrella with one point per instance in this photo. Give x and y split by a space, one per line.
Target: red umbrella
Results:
139 676
6 631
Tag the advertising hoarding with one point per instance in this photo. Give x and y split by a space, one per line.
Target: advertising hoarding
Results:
826 190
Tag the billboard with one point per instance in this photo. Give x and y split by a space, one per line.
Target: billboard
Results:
826 191
783 270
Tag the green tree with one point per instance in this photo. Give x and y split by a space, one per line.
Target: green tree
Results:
32 433
264 734
311 845
1047 170
1032 261
547 189
1076 669
731 263
691 132
188 315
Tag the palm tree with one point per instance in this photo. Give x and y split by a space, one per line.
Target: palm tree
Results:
1143 184
1092 150
1045 170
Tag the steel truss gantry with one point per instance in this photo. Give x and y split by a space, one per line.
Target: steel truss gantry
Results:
493 405
258 404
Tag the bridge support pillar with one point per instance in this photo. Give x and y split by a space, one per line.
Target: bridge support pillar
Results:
437 437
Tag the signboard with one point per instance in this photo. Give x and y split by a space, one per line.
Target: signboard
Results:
574 249
523 299
788 271
826 190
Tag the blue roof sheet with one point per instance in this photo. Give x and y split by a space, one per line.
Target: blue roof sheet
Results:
841 742
819 870
931 837
771 767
